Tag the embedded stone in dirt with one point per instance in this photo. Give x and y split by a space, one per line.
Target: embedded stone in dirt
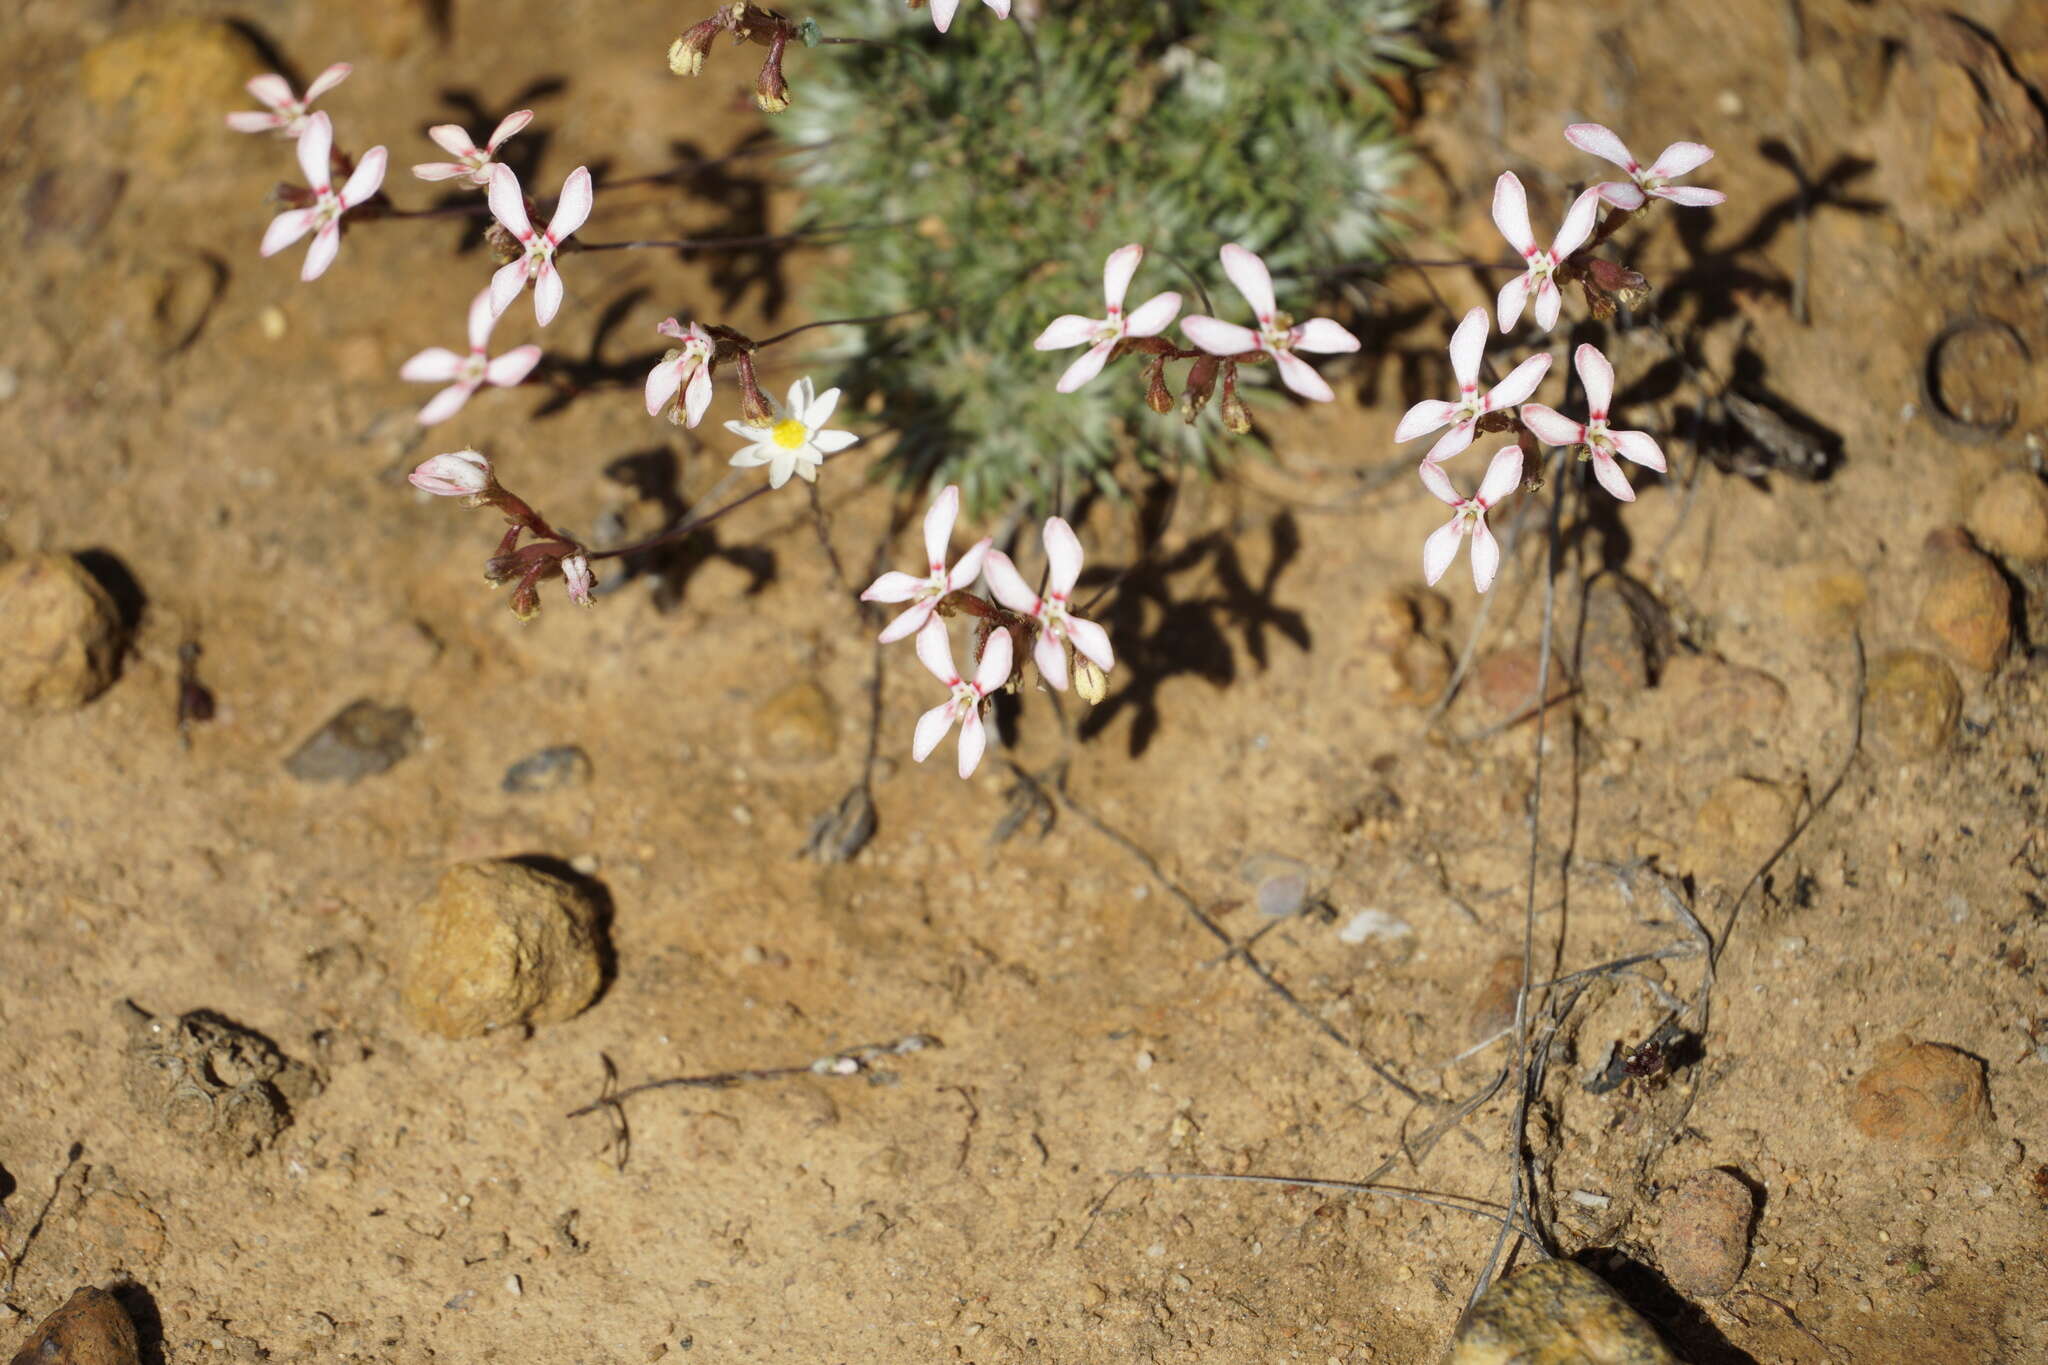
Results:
1493 1008
797 724
92 1328
1411 673
2010 517
360 740
1722 705
1507 678
226 1090
546 770
1826 599
60 634
1967 606
1742 822
1555 1313
1703 1243
1911 702
500 943
167 85
1923 1096
1627 634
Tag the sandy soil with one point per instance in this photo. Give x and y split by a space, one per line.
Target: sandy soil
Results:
236 443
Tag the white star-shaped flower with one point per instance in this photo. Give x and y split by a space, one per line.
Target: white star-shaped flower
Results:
794 440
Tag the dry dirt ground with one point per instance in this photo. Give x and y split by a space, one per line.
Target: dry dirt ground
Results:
234 443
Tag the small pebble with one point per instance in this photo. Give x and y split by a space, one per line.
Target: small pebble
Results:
272 323
1911 702
546 770
1374 924
361 740
500 943
513 1287
1144 1062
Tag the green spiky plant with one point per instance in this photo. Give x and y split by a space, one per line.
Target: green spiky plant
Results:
992 170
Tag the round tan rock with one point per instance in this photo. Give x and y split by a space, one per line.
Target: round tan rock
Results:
90 1329
1922 1096
1412 673
500 943
1911 702
797 725
1555 1313
1703 1243
1507 679
1741 823
2010 517
166 85
60 634
1967 607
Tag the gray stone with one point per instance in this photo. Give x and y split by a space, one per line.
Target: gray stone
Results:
363 739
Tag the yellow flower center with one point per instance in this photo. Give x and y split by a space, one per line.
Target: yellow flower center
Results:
788 433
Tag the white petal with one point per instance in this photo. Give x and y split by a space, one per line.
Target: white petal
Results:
973 741
320 252
893 586
1598 377
1520 383
508 206
1153 316
781 464
1093 642
1007 584
506 282
507 126
1691 196
1468 348
1579 222
906 622
435 365
1252 279
1117 272
697 397
938 523
1217 337
1485 555
1601 142
1640 448
747 431
1438 483
333 76
969 567
997 656
285 229
271 90
1085 367
820 409
250 121
935 651
1001 7
1610 476
445 404
1680 158
800 395
314 146
1502 475
662 382
1511 216
572 211
547 293
512 367
1068 329
1062 557
1439 550
1551 426
1423 418
1323 336
1623 194
1453 442
933 724
832 442
439 170
1051 657
1296 374
750 457
1548 302
1508 307
942 13
367 178
452 138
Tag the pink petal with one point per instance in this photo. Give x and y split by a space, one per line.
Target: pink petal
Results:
1680 158
1468 348
320 254
1485 555
1551 426
314 146
942 13
507 127
662 382
1598 377
1579 222
1511 215
1502 475
1001 7
1611 478
1085 366
1323 336
1423 418
250 121
1251 277
1623 194
1520 383
1691 196
481 319
1548 302
1296 374
973 741
459 473
969 567
435 365
573 210
1601 142
506 283
1513 295
327 80
1051 657
508 206
1219 338
894 586
452 138
285 229
996 657
1117 272
697 397
1639 447
906 622
547 293
445 404
1453 442
1062 557
439 170
512 367
272 90
935 651
1439 550
1438 483
1068 329
367 179
938 523
1007 584
931 728
1153 316
1093 642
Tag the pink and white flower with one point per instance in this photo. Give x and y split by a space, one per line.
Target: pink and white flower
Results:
1511 216
508 206
1602 443
458 474
282 113
687 369
1057 626
924 594
1680 158
943 11
578 579
465 374
1276 336
936 653
471 161
793 440
323 217
1468 517
1100 335
1468 346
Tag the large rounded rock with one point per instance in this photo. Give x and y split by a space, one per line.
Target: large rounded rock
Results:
90 1329
1967 605
1703 1244
500 943
60 634
1912 702
2010 517
1555 1313
1922 1096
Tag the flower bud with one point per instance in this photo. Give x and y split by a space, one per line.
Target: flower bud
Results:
577 576
526 600
686 54
458 474
1089 681
1156 396
771 92
1201 383
1237 418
